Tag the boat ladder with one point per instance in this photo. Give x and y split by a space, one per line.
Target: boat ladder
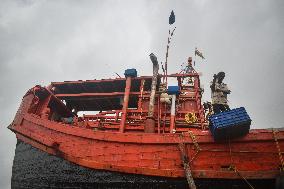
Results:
185 161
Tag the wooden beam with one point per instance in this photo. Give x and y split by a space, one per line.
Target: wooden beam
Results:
95 94
98 81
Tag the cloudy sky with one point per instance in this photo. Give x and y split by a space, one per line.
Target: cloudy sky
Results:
43 41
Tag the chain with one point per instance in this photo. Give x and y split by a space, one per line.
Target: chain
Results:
196 146
186 166
279 150
193 137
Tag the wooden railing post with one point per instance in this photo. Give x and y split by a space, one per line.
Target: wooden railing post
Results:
128 74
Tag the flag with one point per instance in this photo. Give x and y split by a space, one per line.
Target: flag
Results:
198 53
172 18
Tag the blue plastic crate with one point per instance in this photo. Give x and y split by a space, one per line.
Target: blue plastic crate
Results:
130 73
173 90
230 124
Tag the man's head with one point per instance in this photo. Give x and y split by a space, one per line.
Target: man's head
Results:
220 76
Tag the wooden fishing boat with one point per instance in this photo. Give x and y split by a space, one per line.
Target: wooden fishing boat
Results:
132 125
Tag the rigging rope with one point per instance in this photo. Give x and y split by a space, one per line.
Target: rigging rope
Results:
234 168
185 162
279 150
141 96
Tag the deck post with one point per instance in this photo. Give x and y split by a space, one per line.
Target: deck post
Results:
129 73
125 104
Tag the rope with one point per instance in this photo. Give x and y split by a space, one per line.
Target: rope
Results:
279 150
190 118
236 171
230 151
141 96
186 166
234 168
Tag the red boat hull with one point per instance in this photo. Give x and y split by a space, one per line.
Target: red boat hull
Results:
254 156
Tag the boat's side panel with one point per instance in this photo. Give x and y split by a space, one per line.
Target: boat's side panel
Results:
147 159
255 156
33 168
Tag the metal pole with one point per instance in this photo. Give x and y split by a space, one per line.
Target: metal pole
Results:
173 113
159 114
153 90
150 121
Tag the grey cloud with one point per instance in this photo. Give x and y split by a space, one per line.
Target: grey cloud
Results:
44 41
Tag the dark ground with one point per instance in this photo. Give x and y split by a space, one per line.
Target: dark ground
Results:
33 168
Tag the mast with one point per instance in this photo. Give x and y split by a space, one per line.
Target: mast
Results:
171 21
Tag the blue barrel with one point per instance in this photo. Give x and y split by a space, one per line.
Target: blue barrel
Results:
230 124
173 90
130 73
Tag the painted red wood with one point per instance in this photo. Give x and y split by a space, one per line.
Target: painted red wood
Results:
255 156
133 151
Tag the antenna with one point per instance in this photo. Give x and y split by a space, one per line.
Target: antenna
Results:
117 74
171 33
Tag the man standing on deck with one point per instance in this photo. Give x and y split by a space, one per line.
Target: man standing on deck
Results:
219 92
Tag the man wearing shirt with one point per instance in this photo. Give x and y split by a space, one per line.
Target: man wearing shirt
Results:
219 92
